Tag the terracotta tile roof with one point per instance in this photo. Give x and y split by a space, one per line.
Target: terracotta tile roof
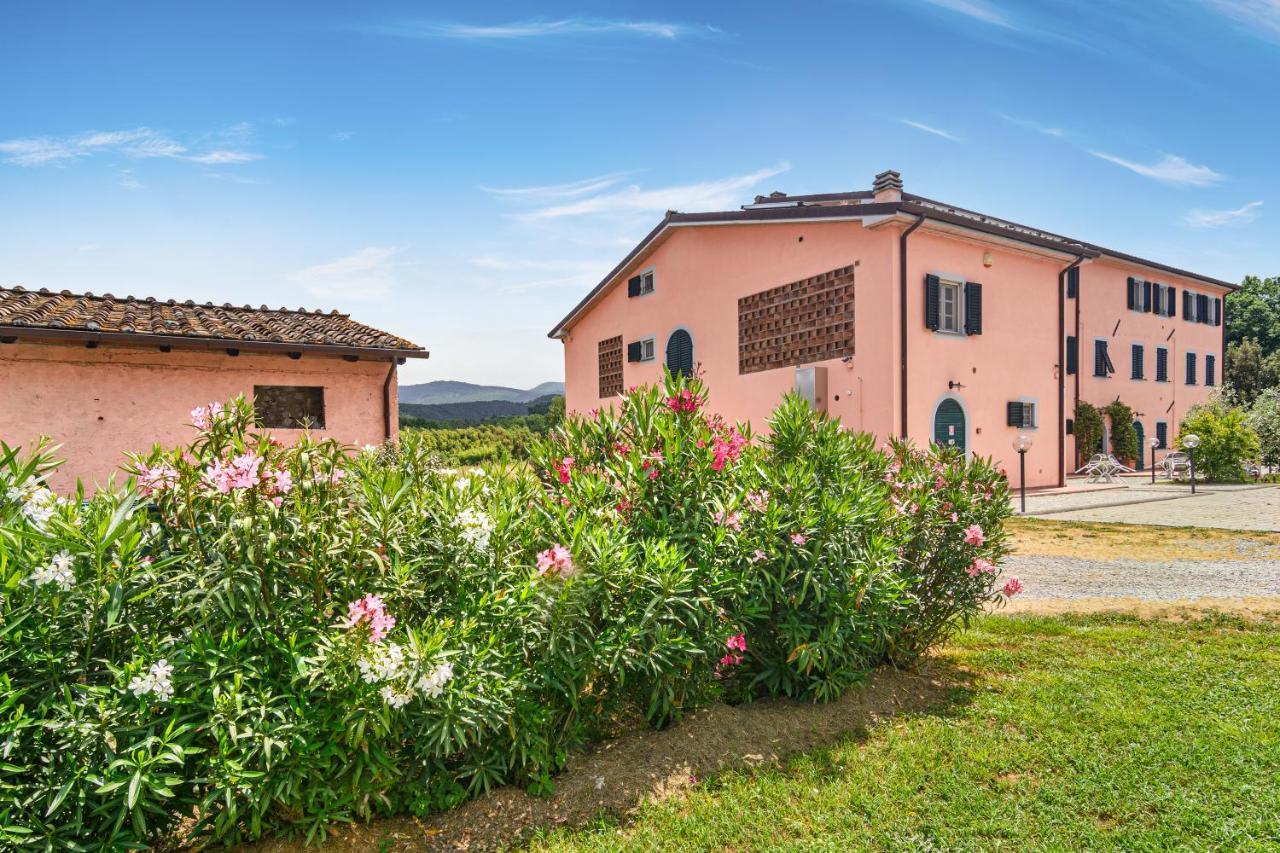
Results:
105 317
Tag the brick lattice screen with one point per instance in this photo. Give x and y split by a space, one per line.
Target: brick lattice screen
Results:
797 323
611 367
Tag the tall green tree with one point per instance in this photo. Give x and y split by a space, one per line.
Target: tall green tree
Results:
1250 370
1253 311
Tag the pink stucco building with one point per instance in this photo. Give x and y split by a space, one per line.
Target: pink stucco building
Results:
901 316
103 376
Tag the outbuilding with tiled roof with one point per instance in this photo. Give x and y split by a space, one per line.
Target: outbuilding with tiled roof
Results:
104 375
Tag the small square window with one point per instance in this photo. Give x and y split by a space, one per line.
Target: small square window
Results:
949 306
289 406
647 350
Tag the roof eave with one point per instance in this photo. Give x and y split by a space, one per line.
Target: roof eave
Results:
44 334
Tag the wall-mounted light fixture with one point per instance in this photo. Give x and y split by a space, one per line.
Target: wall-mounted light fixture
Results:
987 259
952 385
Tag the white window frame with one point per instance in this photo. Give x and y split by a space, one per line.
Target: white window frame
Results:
648 348
647 276
945 284
1035 411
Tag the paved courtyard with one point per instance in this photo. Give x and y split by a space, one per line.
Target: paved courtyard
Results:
1227 507
1231 561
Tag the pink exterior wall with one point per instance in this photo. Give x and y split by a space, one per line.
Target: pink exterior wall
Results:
100 403
1103 314
1015 357
700 272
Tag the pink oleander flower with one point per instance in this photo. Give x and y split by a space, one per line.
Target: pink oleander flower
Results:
556 560
200 417
759 556
730 659
939 484
798 539
282 482
277 501
738 643
155 480
955 517
190 458
244 471
653 473
758 501
729 519
973 535
563 467
218 476
684 401
370 609
1012 587
727 449
981 566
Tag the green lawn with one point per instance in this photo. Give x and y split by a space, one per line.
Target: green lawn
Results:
1069 733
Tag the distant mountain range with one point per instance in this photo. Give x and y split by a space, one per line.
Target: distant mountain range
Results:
464 402
444 391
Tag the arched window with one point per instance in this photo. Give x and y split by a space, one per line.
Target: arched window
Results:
680 353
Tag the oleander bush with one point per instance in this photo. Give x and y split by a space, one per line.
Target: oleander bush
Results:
248 639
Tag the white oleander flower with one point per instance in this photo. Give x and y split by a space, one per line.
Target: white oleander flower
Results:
59 571
476 527
383 663
395 698
157 680
432 684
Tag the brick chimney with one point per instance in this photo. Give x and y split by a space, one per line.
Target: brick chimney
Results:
888 186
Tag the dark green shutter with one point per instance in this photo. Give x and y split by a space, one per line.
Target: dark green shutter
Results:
635 351
1171 302
1013 414
1191 368
1186 304
931 298
973 308
1202 308
1130 301
1146 296
1162 364
1073 282
1073 354
1071 426
1138 356
680 353
1210 365
1217 311
633 286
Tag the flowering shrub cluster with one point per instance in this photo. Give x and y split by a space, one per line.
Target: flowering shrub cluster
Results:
248 638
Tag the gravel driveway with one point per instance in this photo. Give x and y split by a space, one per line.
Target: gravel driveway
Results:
1171 580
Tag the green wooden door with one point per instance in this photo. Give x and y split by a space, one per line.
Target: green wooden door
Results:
1142 445
948 425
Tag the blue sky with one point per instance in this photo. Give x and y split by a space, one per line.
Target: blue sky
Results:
462 174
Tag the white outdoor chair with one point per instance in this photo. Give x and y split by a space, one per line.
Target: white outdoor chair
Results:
1175 465
1116 467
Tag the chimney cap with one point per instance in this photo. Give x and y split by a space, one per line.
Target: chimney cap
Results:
887 180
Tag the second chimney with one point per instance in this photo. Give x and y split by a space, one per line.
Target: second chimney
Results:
888 186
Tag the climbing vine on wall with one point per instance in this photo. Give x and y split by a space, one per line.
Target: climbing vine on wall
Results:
1088 429
1124 438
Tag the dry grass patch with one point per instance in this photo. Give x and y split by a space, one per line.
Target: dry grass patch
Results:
1105 540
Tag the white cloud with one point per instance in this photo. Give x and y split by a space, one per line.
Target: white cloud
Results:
535 274
1169 169
363 275
1259 17
706 195
542 28
1034 125
139 143
1221 218
553 191
929 129
983 12
128 181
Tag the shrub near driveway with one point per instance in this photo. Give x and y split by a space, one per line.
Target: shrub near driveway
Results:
262 638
